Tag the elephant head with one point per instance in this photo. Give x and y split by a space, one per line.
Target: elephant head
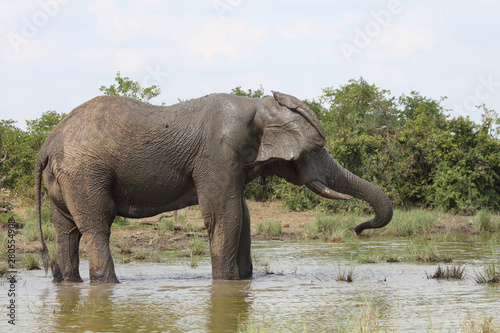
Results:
292 146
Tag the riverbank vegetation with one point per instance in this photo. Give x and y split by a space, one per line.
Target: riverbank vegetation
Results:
409 145
442 174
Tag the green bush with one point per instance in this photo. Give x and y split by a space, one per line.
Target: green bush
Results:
407 145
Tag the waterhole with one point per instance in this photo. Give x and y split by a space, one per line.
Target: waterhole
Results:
295 288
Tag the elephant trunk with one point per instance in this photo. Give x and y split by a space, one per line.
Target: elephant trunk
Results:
343 184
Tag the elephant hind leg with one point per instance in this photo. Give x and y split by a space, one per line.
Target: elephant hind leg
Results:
68 236
95 225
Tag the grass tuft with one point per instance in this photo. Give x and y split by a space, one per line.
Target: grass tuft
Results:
415 222
198 246
345 274
333 227
30 262
487 221
167 225
478 323
269 229
489 274
447 273
427 253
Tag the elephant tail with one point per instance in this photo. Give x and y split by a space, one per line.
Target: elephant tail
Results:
41 162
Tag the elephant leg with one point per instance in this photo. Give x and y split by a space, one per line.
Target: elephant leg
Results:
94 217
244 258
68 236
223 221
101 266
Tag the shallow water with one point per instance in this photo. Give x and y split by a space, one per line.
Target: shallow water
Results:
302 292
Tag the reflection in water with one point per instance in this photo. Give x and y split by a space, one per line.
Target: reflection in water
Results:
82 306
229 304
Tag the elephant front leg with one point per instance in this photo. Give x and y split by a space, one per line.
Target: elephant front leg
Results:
101 266
224 241
224 222
244 257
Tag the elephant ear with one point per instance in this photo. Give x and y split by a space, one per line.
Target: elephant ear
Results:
296 105
289 128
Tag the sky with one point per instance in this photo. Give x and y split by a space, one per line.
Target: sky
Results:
55 54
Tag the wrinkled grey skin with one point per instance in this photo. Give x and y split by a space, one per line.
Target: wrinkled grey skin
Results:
117 156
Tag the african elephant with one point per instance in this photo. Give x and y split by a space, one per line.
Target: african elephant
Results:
117 156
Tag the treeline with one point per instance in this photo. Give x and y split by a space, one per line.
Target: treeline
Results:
407 145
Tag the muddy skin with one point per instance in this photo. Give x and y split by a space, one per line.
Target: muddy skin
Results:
117 156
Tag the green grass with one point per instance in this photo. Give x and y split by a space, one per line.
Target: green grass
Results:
381 255
487 221
269 229
4 267
198 246
490 272
404 223
416 222
30 231
120 222
167 225
30 262
366 318
427 252
332 227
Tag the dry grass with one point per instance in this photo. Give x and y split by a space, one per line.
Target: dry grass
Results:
448 272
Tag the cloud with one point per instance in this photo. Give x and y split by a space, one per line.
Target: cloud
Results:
201 41
309 30
406 37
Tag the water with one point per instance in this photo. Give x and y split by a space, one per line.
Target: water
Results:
301 293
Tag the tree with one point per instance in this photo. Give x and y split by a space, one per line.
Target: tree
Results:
258 93
19 167
2 160
128 88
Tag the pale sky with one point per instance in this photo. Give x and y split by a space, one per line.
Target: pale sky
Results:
55 54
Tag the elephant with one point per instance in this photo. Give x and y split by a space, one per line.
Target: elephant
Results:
116 156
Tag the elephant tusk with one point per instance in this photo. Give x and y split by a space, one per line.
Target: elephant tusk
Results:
321 189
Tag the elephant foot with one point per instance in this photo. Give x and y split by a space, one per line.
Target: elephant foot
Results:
245 275
75 279
108 279
58 276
